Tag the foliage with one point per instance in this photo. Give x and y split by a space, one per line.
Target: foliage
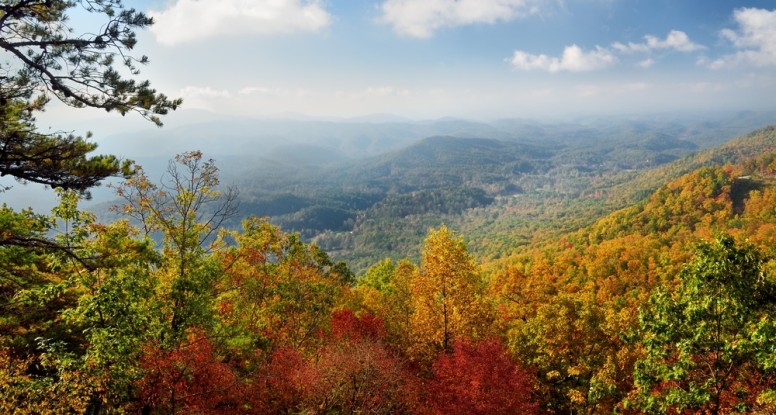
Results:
385 291
281 384
711 341
574 343
169 312
23 393
187 209
356 372
23 252
480 378
447 297
187 379
277 291
75 295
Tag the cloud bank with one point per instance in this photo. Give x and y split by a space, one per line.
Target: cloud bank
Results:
421 18
194 20
755 39
574 59
675 40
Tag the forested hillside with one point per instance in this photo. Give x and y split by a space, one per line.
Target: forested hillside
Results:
668 303
537 217
364 203
529 191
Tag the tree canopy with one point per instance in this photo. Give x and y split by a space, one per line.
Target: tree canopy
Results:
710 343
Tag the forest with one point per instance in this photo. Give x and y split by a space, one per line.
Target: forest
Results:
666 306
549 277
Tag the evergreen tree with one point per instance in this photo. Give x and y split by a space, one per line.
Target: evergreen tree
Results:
44 58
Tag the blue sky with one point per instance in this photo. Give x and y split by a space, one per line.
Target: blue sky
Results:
425 59
479 59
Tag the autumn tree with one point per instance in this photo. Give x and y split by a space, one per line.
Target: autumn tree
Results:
709 343
351 371
356 373
480 378
385 291
576 346
95 294
280 385
185 210
276 290
187 379
83 315
24 392
447 296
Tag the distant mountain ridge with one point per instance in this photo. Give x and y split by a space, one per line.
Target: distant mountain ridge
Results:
502 184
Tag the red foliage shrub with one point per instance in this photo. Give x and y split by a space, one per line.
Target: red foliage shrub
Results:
362 377
187 379
345 325
479 378
282 384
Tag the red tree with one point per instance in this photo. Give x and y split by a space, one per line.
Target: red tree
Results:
345 325
351 372
479 378
282 383
357 373
188 379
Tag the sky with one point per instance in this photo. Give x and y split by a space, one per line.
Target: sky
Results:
428 59
479 59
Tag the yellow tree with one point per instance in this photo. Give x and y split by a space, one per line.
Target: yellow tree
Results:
447 296
385 292
277 291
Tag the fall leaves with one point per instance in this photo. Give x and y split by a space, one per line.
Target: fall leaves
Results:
150 316
620 316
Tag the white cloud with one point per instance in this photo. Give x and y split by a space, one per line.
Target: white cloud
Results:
646 63
254 90
574 59
756 39
382 91
203 97
204 92
192 20
420 18
675 40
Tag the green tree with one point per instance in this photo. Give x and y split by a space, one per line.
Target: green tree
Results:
385 291
73 326
710 344
185 211
44 58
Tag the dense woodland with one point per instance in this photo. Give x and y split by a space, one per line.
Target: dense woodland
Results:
665 306
500 192
551 279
